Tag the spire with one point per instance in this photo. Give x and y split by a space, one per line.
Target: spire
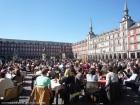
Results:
126 17
125 9
90 25
91 33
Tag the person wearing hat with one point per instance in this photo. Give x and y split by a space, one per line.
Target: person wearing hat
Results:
5 83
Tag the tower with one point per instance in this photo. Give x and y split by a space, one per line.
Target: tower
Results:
90 37
125 24
90 33
126 21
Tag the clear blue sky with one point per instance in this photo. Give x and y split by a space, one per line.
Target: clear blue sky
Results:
61 20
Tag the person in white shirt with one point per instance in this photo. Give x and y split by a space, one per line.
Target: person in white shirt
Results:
112 86
111 77
91 76
92 85
92 79
132 77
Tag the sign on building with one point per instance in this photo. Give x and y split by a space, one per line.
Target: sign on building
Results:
63 55
43 57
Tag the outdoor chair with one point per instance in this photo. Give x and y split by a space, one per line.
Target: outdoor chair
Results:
10 94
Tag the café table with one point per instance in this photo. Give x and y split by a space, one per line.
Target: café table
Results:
101 83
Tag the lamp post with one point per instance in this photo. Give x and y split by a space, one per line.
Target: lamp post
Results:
104 57
15 55
128 54
95 51
43 54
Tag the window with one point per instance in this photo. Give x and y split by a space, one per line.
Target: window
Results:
138 30
131 40
116 35
111 42
138 38
132 47
131 32
116 42
138 46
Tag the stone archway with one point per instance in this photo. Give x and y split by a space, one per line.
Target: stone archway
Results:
107 56
132 55
99 57
138 54
119 56
125 55
114 56
110 56
102 56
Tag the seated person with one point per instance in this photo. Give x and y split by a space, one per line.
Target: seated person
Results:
111 77
130 82
43 85
4 83
51 73
132 77
112 86
91 76
122 75
43 80
55 82
55 85
9 73
18 78
71 87
91 79
91 85
38 72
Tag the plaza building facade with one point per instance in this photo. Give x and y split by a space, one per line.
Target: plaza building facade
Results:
120 43
79 50
10 48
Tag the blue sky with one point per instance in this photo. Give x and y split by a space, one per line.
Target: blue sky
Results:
61 20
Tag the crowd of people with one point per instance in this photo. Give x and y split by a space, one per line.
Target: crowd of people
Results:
97 81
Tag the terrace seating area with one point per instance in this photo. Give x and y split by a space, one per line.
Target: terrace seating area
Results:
71 85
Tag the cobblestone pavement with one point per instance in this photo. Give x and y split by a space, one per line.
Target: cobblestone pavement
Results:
26 89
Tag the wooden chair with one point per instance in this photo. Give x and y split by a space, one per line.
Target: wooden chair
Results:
40 95
113 92
20 87
10 94
92 88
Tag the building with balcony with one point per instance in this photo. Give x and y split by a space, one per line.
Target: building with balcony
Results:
123 42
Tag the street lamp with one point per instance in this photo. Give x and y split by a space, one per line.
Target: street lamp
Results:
44 54
95 51
15 55
103 54
127 54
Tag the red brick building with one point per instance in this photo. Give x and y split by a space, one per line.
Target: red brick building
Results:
33 49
